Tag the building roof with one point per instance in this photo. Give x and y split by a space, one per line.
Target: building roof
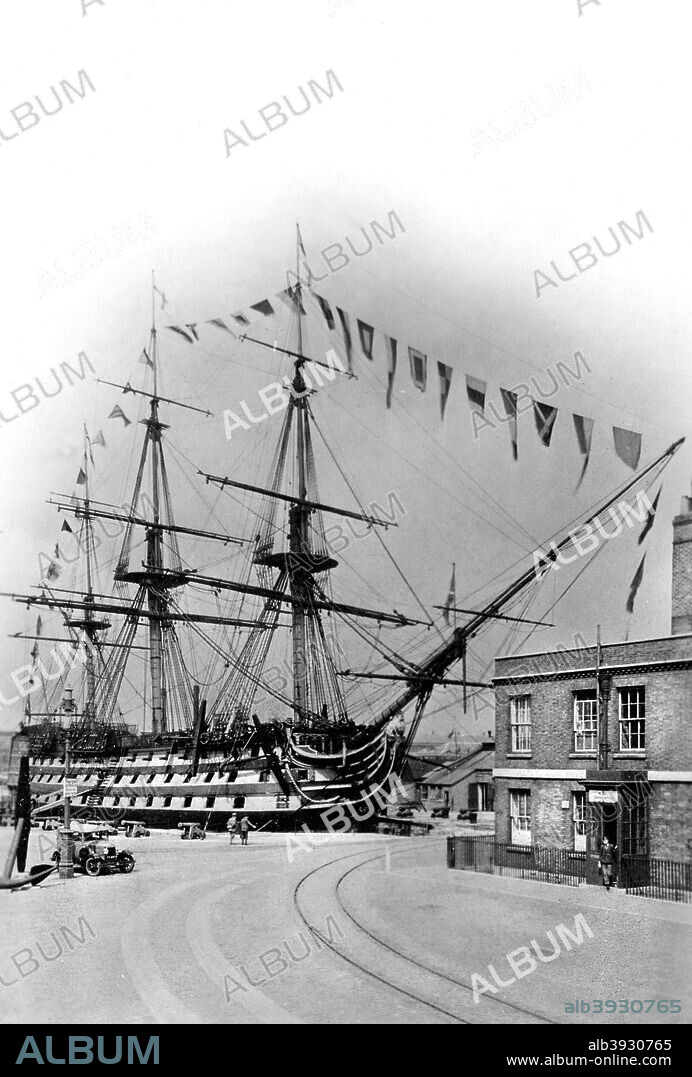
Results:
461 769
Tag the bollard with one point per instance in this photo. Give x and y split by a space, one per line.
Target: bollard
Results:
66 850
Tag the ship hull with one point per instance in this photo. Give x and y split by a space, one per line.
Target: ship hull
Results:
305 787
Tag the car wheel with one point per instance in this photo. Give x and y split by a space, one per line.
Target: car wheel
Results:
93 866
127 864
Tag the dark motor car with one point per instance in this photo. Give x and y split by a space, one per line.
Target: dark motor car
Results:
95 855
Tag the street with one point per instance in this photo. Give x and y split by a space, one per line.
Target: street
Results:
362 929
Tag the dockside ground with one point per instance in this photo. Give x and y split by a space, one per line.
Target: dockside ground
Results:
206 932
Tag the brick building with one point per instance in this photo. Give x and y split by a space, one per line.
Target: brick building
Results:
592 742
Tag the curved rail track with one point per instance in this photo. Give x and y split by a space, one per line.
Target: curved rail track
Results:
396 970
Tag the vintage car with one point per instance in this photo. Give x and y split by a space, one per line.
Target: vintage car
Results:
191 831
95 855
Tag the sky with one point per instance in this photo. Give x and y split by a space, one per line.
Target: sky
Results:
501 135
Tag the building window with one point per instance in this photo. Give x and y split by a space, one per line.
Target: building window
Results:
632 719
579 821
520 813
520 720
480 796
149 802
167 802
585 721
187 802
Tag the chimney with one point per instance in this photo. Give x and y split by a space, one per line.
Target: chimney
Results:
682 569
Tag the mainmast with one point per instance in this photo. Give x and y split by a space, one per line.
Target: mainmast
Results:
154 563
298 521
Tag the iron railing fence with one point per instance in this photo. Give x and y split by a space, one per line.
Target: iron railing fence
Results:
667 880
543 863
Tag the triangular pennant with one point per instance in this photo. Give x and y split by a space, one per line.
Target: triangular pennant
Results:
326 310
445 374
343 318
144 358
301 246
290 296
391 367
81 478
650 517
220 324
39 625
99 439
57 553
66 527
584 430
451 596
366 334
509 399
181 332
419 368
192 326
118 413
634 586
545 416
164 301
240 318
263 307
628 446
475 391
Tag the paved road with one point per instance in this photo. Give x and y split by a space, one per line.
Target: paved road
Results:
358 930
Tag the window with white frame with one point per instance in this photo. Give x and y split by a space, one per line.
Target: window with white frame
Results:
585 721
632 719
579 821
520 722
520 816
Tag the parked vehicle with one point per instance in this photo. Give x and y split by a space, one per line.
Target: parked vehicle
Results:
440 813
94 855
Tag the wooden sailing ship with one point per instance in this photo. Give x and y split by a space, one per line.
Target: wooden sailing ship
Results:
207 749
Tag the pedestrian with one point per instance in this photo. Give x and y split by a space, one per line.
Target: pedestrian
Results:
606 862
245 825
232 827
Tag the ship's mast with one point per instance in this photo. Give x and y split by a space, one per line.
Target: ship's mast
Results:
89 598
154 563
298 525
90 624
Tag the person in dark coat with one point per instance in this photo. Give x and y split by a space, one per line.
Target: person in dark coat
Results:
233 827
606 862
245 825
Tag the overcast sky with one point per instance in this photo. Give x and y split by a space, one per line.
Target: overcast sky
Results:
502 135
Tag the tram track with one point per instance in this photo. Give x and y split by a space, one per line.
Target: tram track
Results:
402 973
